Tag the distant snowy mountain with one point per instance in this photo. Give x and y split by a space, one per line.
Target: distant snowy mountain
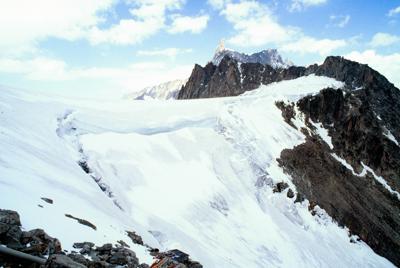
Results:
269 56
163 91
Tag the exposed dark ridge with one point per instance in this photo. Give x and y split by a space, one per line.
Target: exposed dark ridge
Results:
354 74
198 79
357 132
231 78
360 203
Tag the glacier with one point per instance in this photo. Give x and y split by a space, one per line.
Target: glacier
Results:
197 175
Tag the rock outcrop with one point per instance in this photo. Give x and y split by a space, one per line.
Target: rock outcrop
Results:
34 242
363 123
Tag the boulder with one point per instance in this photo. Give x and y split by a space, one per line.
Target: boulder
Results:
62 261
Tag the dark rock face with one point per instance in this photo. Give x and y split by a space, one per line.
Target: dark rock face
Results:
357 120
199 78
359 203
358 135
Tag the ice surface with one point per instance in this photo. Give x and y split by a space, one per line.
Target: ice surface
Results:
195 175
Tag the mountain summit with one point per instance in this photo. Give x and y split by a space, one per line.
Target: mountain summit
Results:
269 56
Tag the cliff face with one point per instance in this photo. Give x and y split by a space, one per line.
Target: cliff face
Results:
363 123
356 199
357 179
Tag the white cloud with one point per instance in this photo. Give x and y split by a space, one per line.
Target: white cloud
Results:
24 23
255 25
339 20
384 39
126 32
181 24
299 5
132 77
148 18
167 52
388 65
311 45
39 68
218 4
394 11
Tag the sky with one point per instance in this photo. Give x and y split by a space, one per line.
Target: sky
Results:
120 46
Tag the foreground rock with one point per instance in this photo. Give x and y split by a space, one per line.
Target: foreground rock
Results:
175 258
37 243
34 242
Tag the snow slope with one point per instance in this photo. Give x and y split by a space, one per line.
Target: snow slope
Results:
195 175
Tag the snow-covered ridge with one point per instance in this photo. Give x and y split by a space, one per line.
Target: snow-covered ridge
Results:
195 175
164 91
269 56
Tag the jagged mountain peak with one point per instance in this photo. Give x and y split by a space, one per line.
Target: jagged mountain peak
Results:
220 47
268 56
